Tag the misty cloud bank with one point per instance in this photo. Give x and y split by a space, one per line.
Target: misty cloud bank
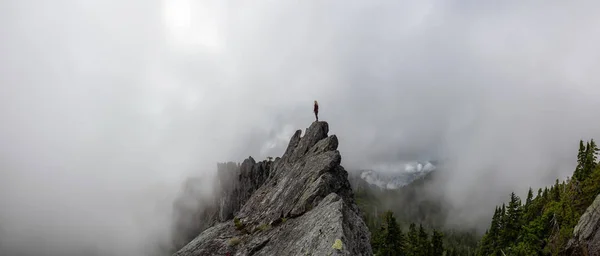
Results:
107 106
396 175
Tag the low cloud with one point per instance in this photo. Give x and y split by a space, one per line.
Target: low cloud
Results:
108 106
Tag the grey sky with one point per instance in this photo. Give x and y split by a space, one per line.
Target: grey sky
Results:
107 105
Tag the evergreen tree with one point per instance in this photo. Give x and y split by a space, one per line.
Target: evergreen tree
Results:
529 197
513 220
556 191
412 240
544 224
586 161
390 240
502 218
377 238
581 157
424 245
591 158
485 245
493 235
495 227
437 243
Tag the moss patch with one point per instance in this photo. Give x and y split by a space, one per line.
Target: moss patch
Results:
234 241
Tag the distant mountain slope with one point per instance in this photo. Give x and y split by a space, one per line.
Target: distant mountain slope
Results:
414 202
397 176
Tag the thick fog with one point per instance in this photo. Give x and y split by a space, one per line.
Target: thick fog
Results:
107 106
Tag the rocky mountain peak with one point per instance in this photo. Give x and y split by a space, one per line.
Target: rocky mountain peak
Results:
299 204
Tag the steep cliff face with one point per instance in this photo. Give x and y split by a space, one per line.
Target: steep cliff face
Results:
299 204
586 234
235 185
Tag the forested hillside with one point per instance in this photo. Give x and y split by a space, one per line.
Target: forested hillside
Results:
408 221
414 202
543 224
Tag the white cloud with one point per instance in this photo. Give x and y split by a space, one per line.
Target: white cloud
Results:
102 100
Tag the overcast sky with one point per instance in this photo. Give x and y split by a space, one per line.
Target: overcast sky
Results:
106 106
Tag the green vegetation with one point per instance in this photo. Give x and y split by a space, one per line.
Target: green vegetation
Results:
406 207
238 224
389 239
541 225
234 241
241 226
264 227
544 224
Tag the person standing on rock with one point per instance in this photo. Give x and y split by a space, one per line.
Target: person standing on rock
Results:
316 110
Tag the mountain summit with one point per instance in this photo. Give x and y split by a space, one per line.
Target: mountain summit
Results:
299 204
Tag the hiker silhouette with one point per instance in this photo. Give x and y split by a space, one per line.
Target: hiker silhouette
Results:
316 110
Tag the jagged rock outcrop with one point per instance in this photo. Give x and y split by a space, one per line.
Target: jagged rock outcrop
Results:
235 191
300 204
586 234
195 213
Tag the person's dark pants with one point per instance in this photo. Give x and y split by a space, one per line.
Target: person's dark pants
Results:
317 116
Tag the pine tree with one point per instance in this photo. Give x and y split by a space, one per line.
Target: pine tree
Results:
485 245
391 240
529 197
412 240
587 161
377 238
502 220
591 158
424 245
513 219
528 208
494 231
437 243
556 191
581 157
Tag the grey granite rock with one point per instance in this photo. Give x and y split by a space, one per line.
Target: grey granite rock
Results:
235 185
300 204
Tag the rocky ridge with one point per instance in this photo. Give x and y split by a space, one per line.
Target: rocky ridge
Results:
235 183
299 204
